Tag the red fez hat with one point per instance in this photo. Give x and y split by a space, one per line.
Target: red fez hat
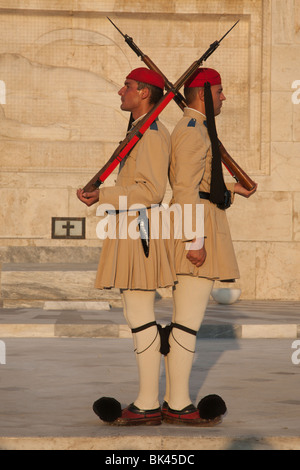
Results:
201 76
144 75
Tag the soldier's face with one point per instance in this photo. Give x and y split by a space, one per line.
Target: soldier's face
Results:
218 98
130 95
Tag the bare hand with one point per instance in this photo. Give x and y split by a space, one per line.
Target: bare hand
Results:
197 257
239 189
88 198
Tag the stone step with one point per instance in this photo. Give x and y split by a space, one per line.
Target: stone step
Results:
30 285
73 305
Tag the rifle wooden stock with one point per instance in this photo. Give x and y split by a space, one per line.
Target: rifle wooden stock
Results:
235 170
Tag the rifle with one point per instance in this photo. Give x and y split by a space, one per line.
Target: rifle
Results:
138 131
234 169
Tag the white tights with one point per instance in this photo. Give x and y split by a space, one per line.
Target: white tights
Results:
138 311
190 298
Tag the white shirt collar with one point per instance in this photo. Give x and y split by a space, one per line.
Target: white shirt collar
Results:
196 111
138 119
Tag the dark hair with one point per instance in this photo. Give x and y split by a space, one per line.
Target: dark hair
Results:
190 94
156 93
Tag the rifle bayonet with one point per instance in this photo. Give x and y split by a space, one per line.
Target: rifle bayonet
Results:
228 31
214 46
129 40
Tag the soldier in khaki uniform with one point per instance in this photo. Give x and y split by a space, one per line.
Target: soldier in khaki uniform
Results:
123 262
206 259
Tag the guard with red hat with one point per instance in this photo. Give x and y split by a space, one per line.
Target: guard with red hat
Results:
136 268
147 76
196 178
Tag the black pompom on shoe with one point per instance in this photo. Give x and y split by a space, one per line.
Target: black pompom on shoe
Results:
108 409
211 406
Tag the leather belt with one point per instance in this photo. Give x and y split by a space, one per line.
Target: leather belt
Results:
204 195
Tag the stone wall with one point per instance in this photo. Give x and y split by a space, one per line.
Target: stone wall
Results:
61 65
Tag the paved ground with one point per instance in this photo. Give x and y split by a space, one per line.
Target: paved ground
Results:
243 319
48 385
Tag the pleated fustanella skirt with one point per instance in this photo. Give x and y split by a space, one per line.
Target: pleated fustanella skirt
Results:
123 263
220 263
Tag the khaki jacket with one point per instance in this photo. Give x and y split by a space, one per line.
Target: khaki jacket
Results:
142 179
190 172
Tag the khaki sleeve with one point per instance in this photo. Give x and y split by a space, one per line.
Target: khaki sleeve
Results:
189 151
151 173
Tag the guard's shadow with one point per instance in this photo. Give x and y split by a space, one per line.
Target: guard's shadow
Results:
212 343
209 367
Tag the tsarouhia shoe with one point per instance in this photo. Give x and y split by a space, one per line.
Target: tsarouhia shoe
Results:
134 416
189 416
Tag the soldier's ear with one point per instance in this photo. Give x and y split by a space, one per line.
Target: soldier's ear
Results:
145 93
201 94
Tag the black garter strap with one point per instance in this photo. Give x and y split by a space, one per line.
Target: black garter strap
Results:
164 339
164 333
184 328
143 327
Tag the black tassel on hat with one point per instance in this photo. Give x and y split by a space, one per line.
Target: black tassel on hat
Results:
108 409
218 191
211 406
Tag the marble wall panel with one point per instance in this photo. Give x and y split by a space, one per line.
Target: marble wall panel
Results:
283 21
296 118
277 270
265 216
282 106
285 168
285 66
297 21
296 217
27 214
